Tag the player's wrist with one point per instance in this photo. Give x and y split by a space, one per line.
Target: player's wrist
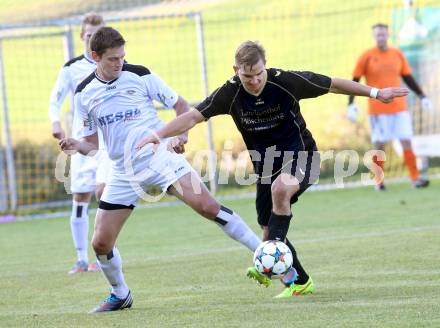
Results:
374 92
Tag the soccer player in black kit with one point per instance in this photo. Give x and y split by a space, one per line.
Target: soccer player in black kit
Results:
264 104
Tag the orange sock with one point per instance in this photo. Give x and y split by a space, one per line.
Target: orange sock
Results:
410 161
378 170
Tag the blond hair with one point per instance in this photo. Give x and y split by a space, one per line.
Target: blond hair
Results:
91 19
249 53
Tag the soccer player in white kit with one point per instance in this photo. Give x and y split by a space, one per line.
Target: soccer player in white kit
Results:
86 175
118 99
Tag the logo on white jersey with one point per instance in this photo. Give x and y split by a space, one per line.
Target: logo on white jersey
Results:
128 115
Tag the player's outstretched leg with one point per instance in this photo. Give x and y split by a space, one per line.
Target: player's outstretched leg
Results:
234 226
193 192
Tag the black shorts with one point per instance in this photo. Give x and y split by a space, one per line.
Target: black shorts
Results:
110 206
305 167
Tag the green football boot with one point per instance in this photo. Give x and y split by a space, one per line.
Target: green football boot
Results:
260 278
296 290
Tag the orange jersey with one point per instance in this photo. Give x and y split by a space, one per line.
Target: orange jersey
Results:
383 69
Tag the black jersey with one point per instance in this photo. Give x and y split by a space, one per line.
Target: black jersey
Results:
272 118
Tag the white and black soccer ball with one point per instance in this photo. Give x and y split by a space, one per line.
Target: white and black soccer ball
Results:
273 258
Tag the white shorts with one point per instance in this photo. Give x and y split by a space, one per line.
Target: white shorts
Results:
88 171
160 169
386 127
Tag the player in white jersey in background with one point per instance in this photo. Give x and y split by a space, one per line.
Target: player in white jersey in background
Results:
85 173
118 99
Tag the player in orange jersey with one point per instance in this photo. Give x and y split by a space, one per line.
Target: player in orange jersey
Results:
384 66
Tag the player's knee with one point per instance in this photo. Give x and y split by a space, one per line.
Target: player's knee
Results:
100 245
279 192
82 197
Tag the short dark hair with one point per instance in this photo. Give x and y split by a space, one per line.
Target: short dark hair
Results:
249 53
380 25
106 38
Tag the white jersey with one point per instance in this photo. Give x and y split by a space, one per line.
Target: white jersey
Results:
70 76
122 109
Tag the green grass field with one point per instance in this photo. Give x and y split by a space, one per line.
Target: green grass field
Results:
373 257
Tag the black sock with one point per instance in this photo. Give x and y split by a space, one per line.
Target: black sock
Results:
302 274
278 226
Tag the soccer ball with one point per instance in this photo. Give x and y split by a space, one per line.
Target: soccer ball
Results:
272 258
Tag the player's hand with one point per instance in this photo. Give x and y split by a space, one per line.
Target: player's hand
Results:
352 113
426 104
57 131
387 95
69 145
177 144
151 139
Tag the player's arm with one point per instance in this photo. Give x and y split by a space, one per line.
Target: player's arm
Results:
218 103
351 97
57 97
181 124
161 92
407 76
87 145
348 87
178 144
414 86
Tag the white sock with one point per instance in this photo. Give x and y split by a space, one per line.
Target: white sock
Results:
111 266
236 228
79 224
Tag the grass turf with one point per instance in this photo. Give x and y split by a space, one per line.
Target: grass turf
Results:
373 257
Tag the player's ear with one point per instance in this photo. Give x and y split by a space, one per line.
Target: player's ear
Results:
95 56
235 67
